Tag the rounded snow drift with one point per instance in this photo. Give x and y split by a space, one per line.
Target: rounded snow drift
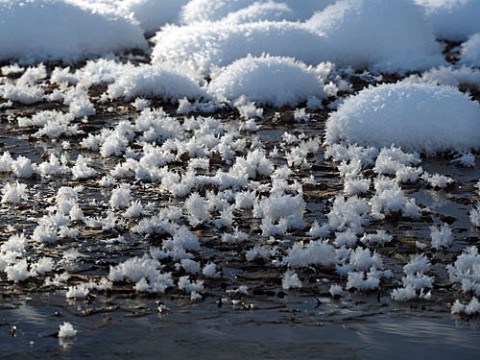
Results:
422 118
267 80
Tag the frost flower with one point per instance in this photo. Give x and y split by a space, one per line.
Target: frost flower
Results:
441 236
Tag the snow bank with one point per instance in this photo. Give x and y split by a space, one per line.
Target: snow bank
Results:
206 10
46 30
454 20
389 35
416 117
273 80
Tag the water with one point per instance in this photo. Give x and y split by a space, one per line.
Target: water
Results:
205 331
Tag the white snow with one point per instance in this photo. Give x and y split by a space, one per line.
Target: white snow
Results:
267 80
205 10
472 308
474 215
66 330
441 236
153 81
144 272
416 284
387 35
470 53
448 75
453 20
290 280
33 31
203 46
466 270
152 14
416 117
312 253
346 33
169 191
14 193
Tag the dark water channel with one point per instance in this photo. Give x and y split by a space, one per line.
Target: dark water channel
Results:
205 332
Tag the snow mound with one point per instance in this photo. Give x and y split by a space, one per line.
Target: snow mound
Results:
202 46
46 30
152 14
471 51
416 117
267 80
156 81
389 35
206 10
453 20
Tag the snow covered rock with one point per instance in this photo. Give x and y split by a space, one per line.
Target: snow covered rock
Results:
421 118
